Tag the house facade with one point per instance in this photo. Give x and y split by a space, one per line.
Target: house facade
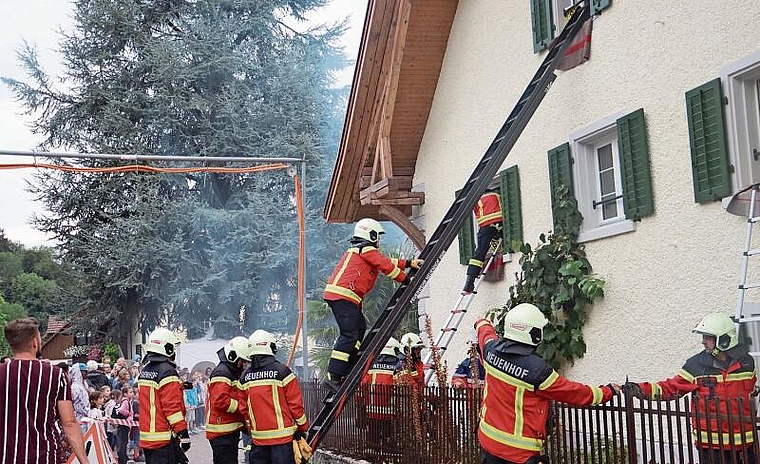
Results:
654 133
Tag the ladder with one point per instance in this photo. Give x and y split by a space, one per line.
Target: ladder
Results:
444 234
457 314
748 252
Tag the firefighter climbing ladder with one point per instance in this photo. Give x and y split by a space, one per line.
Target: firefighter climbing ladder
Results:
747 253
457 314
444 234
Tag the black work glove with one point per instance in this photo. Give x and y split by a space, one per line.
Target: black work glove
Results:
184 440
407 280
633 389
298 435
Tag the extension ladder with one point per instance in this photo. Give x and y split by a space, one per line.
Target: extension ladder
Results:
457 314
444 234
750 210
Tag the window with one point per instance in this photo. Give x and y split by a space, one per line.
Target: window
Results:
548 19
606 166
741 85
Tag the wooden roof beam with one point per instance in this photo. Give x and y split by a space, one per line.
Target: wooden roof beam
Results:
405 224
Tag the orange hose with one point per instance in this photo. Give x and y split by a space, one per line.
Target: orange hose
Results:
301 266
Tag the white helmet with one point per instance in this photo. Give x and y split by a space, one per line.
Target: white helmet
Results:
411 340
368 229
525 324
392 348
720 326
238 348
262 343
162 341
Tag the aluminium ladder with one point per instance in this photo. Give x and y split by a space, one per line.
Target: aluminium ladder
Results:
457 314
747 253
444 234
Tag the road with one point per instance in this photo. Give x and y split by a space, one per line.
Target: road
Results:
200 450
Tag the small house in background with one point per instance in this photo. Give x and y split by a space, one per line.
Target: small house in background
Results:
58 337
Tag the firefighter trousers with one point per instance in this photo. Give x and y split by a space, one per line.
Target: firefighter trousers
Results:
352 326
274 454
485 235
225 448
488 458
717 456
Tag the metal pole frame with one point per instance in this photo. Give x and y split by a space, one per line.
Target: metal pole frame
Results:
192 159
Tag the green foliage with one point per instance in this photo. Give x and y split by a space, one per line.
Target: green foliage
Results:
8 312
111 350
558 279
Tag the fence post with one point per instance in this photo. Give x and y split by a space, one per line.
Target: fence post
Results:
630 429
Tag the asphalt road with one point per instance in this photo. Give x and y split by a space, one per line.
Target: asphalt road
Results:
200 450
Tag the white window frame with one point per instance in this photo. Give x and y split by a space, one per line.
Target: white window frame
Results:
583 144
558 17
740 86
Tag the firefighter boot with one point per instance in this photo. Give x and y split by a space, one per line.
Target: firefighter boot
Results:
469 284
333 382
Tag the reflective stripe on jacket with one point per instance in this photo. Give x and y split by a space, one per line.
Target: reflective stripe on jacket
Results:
377 388
162 406
273 402
223 414
488 209
518 388
357 271
718 392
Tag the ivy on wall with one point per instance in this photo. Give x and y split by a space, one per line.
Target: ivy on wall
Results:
557 277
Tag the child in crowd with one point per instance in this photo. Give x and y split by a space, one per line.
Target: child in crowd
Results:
97 400
115 399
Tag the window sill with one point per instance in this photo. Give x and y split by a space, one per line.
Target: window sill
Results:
609 230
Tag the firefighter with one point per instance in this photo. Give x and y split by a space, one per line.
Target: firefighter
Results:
272 399
463 375
162 426
489 217
410 369
721 379
352 278
224 418
519 386
377 394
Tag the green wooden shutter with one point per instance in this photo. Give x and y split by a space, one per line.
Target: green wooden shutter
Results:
638 200
511 209
707 138
466 239
560 170
541 18
598 5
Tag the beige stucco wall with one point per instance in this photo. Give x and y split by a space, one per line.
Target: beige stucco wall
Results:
678 264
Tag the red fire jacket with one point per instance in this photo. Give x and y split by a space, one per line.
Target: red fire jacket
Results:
162 404
356 273
273 401
719 393
519 385
415 377
222 409
377 388
488 209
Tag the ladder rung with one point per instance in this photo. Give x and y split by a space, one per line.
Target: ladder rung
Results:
458 311
449 329
754 252
748 319
754 219
754 353
748 287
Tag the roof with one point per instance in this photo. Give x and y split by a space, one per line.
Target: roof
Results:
400 57
56 325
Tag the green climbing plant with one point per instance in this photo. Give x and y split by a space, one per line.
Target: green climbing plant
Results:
557 277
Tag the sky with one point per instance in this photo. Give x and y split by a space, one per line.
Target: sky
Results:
38 22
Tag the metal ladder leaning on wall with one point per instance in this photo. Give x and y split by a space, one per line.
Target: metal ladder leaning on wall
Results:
444 234
739 206
456 315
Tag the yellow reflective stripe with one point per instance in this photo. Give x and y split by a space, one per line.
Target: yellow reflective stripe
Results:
598 394
686 375
147 383
488 217
475 262
519 393
739 376
506 378
168 380
222 428
549 381
301 420
279 433
339 355
394 261
394 273
277 407
289 378
358 344
344 266
174 418
343 292
656 391
481 323
233 405
262 383
157 436
152 410
526 443
378 371
726 437
223 380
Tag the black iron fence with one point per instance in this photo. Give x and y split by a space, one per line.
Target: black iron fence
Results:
398 424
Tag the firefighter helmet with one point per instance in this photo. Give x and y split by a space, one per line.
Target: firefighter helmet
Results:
392 348
368 229
525 324
238 348
263 343
411 340
720 326
162 341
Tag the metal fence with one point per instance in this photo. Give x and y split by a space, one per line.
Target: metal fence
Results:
439 425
